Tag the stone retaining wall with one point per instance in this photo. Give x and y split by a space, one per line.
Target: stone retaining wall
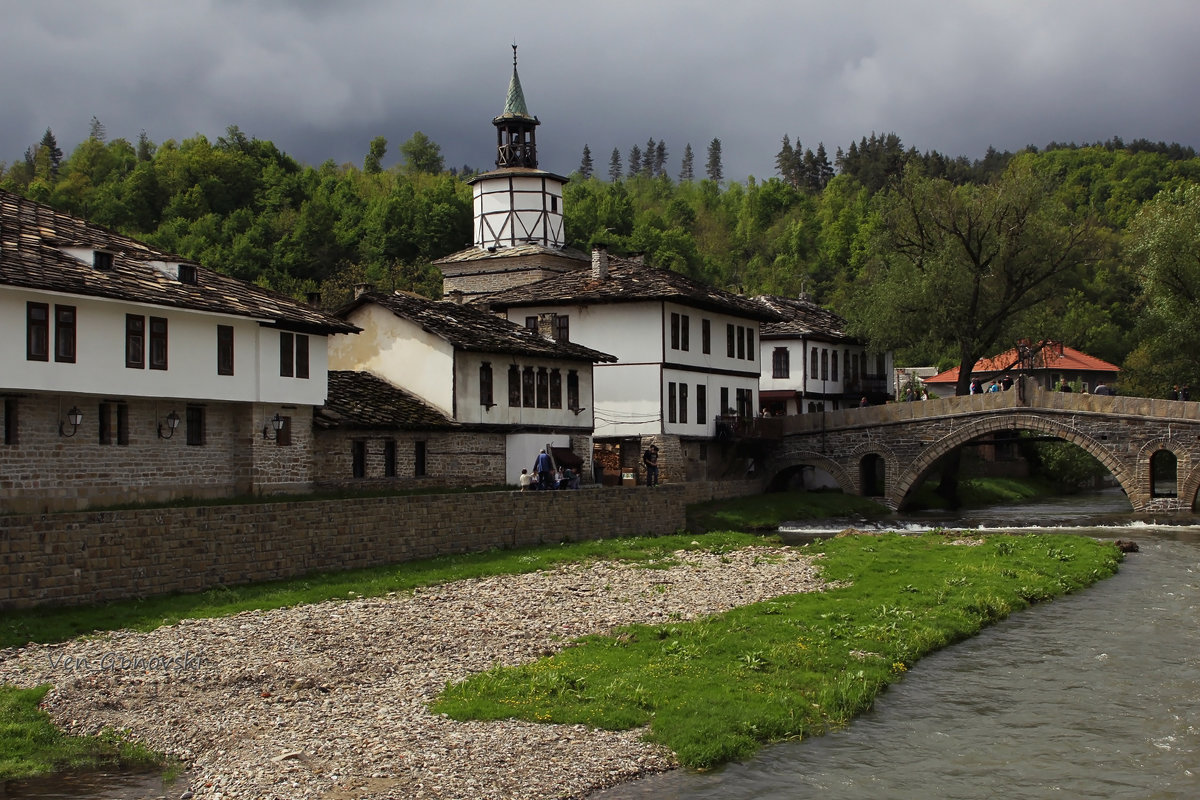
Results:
87 557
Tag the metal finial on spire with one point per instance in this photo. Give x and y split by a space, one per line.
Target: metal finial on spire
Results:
514 47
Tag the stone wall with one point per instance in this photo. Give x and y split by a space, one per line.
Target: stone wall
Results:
43 471
451 459
88 557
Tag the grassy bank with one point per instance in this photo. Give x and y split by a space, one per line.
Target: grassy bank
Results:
766 512
30 744
981 492
715 689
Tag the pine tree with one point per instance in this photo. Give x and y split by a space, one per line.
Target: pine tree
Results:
783 161
824 168
660 158
96 130
53 153
713 167
687 172
145 147
585 163
635 160
614 166
648 159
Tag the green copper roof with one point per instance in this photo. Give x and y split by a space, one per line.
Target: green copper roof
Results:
514 104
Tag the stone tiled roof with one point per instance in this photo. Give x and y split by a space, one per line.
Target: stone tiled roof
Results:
472 329
629 282
32 241
802 318
362 400
483 254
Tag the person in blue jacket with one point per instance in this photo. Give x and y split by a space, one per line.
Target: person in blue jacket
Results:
544 467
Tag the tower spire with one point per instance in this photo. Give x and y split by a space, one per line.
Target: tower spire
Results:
515 141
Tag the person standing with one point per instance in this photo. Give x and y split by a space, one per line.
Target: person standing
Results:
524 480
650 462
544 467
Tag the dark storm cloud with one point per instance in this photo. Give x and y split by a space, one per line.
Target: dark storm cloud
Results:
320 79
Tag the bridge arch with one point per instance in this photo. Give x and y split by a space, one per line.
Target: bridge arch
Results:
1035 423
1185 490
811 458
847 471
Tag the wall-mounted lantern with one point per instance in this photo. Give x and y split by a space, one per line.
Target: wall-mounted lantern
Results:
74 418
172 424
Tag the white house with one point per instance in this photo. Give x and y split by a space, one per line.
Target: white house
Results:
810 363
530 387
687 354
132 375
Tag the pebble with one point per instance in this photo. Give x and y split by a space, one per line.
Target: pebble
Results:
330 700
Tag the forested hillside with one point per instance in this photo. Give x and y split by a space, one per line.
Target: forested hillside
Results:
836 228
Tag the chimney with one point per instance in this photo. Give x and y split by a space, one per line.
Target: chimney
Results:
455 296
599 262
313 299
362 288
546 324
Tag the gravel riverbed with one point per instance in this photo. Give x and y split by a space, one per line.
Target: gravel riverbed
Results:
331 700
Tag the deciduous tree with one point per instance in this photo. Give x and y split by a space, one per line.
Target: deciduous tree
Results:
963 266
422 154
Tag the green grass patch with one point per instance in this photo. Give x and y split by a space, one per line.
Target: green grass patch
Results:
715 689
982 492
31 745
59 624
766 512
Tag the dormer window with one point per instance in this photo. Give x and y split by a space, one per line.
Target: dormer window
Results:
102 260
187 274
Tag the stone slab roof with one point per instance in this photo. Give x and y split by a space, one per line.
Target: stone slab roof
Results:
362 400
472 329
628 281
483 254
32 241
802 318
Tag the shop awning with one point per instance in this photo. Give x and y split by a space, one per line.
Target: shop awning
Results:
564 457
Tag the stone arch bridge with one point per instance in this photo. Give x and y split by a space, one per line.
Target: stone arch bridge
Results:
907 439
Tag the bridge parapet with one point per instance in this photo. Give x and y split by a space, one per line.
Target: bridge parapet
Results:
986 403
908 438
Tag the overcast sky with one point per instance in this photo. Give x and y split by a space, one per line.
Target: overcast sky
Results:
321 79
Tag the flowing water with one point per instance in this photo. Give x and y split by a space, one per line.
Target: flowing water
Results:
1093 695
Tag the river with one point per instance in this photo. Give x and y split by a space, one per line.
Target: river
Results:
1092 695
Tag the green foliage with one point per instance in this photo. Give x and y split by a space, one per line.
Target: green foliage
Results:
422 155
990 255
715 689
243 207
1067 465
766 512
1164 241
